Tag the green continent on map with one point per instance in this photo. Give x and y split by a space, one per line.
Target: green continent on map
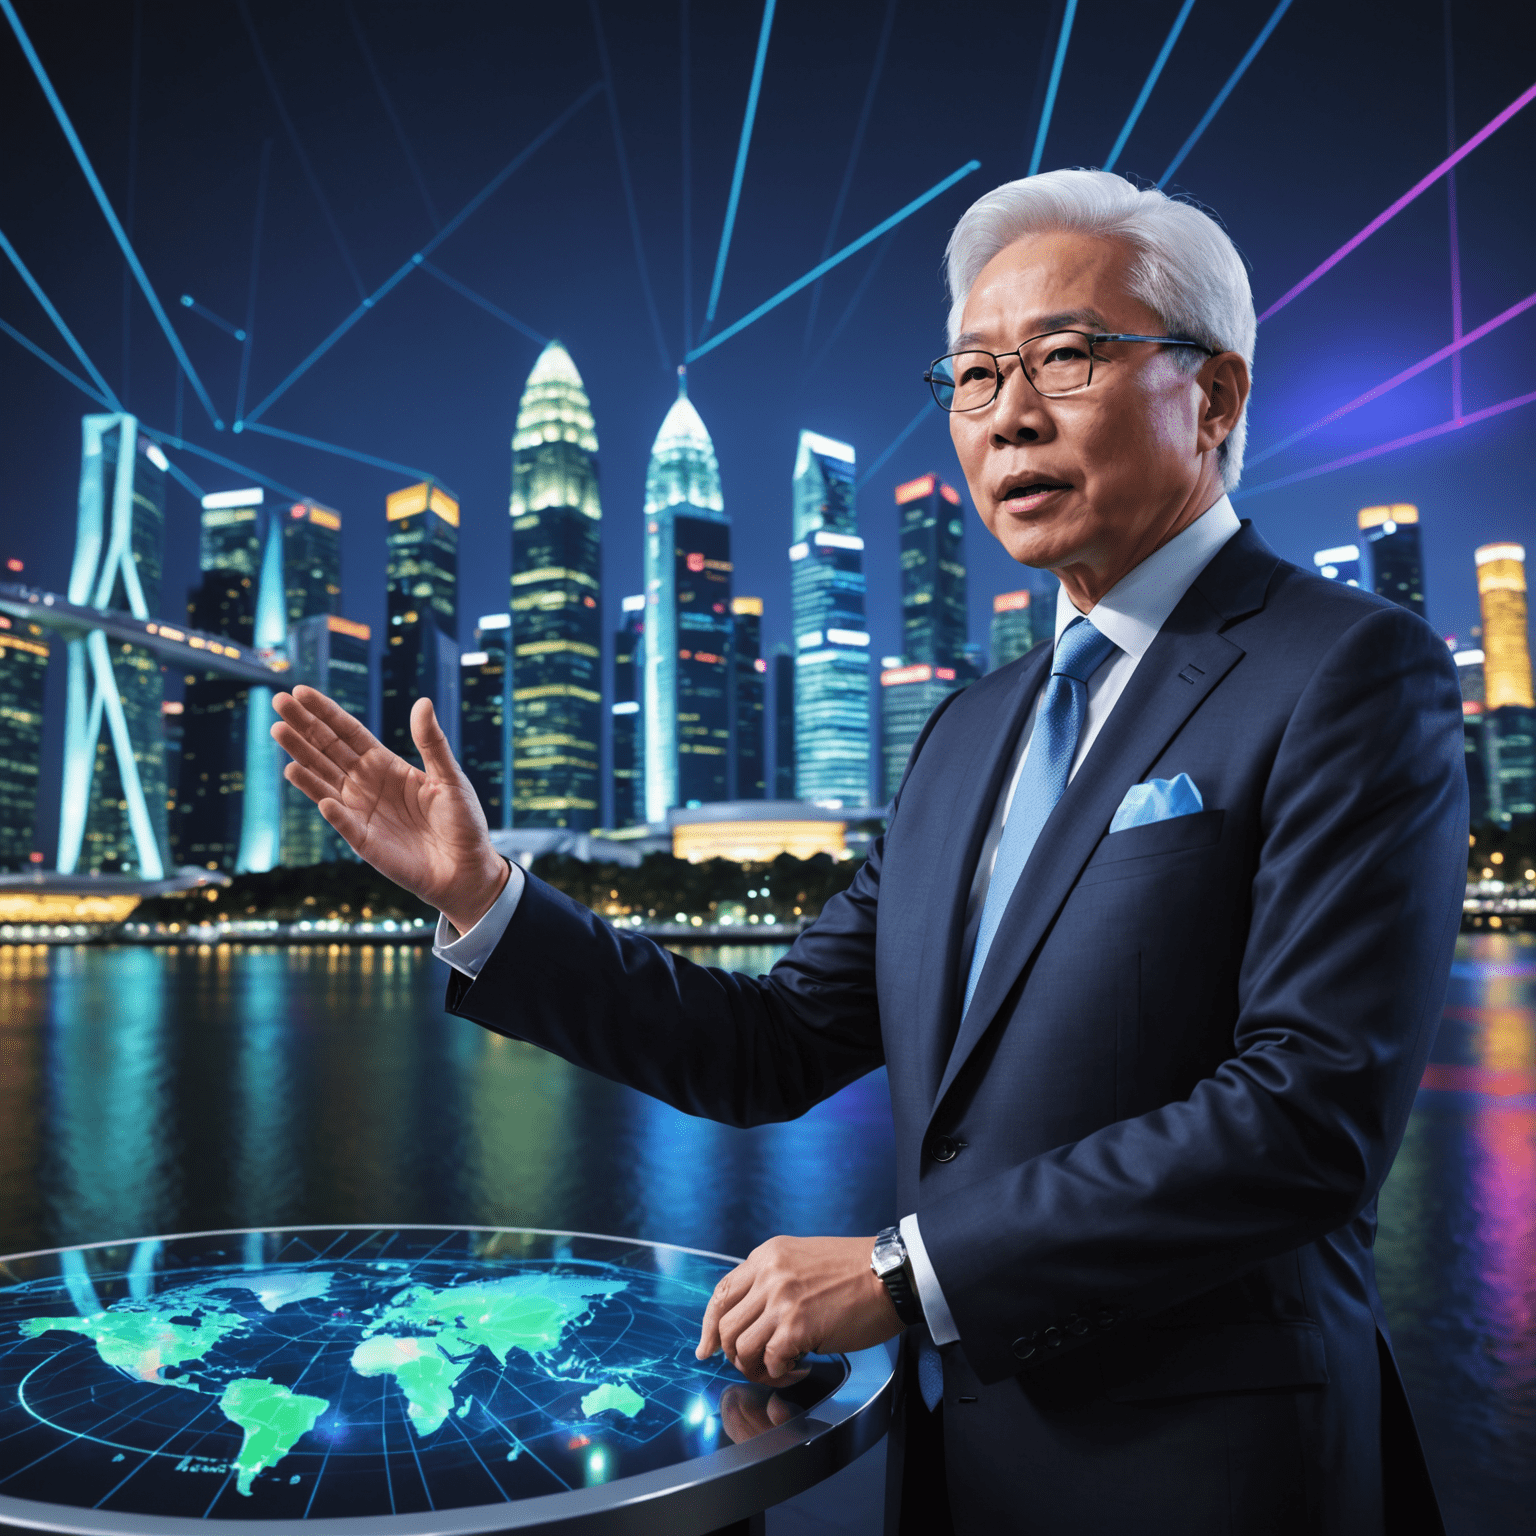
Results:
144 1341
613 1394
423 1373
272 1417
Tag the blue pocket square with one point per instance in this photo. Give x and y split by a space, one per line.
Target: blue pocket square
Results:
1157 800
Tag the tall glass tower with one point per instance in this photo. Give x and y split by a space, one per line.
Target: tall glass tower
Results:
23 669
557 630
934 623
229 532
1510 709
485 734
421 652
1397 559
1339 564
748 677
628 721
1013 627
311 560
832 725
687 616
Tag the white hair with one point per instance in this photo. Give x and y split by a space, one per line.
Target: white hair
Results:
1187 271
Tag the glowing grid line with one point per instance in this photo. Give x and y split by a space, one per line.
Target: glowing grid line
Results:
1391 212
484 303
1050 90
1226 90
896 443
58 367
1146 90
129 255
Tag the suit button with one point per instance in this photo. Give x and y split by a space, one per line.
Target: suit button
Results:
1053 1338
944 1149
1024 1348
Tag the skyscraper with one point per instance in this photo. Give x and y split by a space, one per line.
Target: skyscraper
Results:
783 723
112 803
748 669
1510 710
934 622
832 724
1469 673
628 721
1013 631
908 695
421 652
557 626
229 531
266 790
23 670
1341 564
687 616
311 560
1397 560
485 707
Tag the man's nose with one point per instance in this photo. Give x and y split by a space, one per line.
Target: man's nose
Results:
1019 413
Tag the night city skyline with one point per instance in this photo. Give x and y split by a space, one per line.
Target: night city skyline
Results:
358 173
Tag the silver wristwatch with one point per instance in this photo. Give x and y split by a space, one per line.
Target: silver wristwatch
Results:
893 1268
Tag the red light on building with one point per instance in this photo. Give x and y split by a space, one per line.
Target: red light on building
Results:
1471 707
695 562
1009 602
35 858
13 564
923 486
944 674
893 677
950 494
298 509
685 655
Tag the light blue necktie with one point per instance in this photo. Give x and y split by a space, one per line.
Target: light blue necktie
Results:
1080 652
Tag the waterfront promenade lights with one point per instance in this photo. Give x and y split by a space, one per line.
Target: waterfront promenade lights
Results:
1056 364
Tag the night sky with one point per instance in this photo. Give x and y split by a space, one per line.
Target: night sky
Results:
399 113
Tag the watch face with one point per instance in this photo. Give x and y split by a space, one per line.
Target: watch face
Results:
888 1256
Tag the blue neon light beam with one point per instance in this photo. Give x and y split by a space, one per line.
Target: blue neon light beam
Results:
741 165
484 303
870 272
254 476
224 325
1226 90
74 346
901 437
629 190
841 256
250 295
58 367
344 453
1050 91
1146 90
113 223
420 257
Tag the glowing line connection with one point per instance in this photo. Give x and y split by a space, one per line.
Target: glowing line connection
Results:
345 453
188 302
83 160
1439 430
1050 90
741 163
484 303
1522 100
1146 90
1226 90
58 323
420 257
901 437
58 367
1454 350
841 256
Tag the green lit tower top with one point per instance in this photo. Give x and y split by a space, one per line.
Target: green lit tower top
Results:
687 615
557 635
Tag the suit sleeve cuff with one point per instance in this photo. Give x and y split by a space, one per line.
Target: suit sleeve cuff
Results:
467 952
941 1326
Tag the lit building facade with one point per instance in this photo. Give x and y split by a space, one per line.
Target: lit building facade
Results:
311 560
1340 564
934 620
687 616
421 652
908 696
24 654
628 719
1510 710
1469 673
557 626
1397 557
832 721
229 531
485 717
748 725
1013 630
783 723
112 816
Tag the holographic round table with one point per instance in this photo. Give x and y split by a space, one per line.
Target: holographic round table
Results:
399 1381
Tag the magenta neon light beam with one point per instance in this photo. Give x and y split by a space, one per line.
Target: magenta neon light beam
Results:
1454 350
1439 430
1523 100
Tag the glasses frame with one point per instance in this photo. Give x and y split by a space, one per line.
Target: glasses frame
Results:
1091 337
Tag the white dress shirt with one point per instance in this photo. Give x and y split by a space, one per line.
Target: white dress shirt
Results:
1130 613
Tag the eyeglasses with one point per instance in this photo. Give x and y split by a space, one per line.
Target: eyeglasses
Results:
1059 363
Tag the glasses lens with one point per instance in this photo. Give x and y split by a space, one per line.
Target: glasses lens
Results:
1059 364
975 380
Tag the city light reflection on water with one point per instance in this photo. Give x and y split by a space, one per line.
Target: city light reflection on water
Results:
155 1091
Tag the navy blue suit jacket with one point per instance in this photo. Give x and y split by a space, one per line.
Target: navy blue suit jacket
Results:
1145 1162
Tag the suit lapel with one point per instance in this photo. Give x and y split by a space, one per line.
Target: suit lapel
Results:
978 777
1182 665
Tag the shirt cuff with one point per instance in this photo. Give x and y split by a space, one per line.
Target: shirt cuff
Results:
467 952
941 1326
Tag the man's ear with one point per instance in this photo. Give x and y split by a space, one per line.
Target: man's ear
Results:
1225 384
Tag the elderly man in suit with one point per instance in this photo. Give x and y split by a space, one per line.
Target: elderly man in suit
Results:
1153 948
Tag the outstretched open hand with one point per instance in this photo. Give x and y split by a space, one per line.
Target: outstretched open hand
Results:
422 829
